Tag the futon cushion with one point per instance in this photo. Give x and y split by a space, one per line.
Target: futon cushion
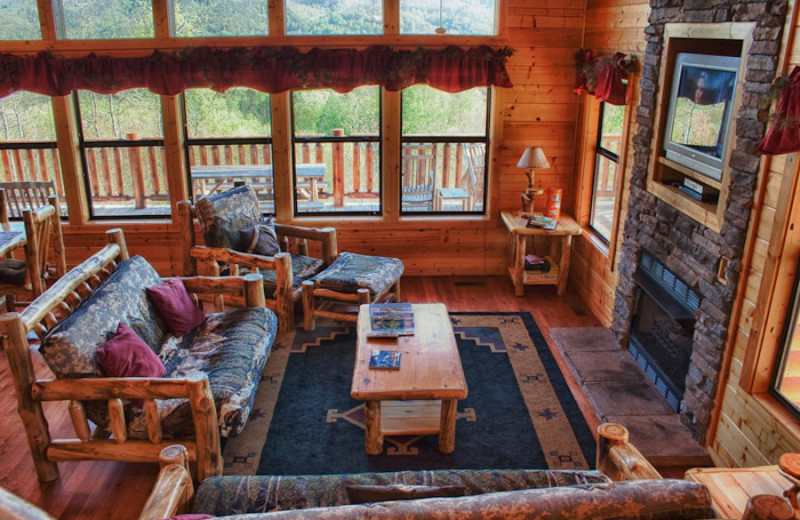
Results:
303 268
261 239
12 272
231 495
126 355
176 307
70 347
223 215
230 347
351 272
364 494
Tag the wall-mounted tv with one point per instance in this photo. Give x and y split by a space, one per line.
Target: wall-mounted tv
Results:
700 106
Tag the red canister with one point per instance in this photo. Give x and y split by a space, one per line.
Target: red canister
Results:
554 202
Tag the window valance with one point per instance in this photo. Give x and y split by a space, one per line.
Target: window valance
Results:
267 69
603 76
784 134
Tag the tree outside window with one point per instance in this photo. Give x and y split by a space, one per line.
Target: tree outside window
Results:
214 18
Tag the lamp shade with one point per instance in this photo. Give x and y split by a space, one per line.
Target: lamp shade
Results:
533 157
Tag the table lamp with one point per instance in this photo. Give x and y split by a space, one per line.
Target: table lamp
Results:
532 158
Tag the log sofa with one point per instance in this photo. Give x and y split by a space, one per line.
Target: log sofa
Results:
462 494
211 369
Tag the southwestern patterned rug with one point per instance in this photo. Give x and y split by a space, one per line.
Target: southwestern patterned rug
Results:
519 412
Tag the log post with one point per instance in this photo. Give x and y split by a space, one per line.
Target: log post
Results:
137 173
446 165
254 290
309 320
58 247
116 236
609 435
338 170
30 410
91 165
356 167
768 507
618 458
186 223
370 170
284 302
204 414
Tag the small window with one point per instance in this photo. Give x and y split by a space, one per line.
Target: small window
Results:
198 18
101 19
229 138
20 20
307 18
606 166
337 151
450 17
443 159
28 149
786 378
123 147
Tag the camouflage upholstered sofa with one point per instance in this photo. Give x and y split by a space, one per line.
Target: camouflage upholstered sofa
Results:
212 366
451 494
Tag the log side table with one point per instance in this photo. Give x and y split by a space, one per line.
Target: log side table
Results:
559 261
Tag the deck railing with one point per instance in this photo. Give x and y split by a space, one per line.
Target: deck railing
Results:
136 174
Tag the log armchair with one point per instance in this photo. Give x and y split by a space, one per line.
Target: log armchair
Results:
299 253
211 371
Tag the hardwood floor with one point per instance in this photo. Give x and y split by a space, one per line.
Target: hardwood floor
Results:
117 491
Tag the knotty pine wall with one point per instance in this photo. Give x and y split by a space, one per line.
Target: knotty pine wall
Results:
750 428
541 110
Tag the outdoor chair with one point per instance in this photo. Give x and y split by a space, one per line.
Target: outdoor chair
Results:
473 177
419 176
30 276
21 195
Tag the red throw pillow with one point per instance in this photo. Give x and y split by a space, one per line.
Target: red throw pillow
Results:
127 355
176 307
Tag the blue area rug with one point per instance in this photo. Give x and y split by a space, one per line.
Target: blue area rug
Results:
519 412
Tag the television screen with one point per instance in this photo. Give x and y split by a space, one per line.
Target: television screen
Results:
700 111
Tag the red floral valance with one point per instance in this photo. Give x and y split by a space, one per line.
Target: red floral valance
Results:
603 76
784 135
268 69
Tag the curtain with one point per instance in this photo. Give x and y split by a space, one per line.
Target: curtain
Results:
602 77
784 135
267 69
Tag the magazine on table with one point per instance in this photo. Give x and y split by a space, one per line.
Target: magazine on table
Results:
542 221
389 320
386 359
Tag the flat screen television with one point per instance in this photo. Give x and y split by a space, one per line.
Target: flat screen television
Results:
700 106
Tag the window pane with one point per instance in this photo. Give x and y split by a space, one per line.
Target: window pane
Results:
428 111
20 20
322 17
787 377
456 17
611 127
221 18
337 150
603 196
28 150
25 116
124 153
130 114
239 112
443 161
101 19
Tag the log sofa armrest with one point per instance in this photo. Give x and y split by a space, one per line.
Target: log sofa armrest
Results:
298 236
618 458
173 490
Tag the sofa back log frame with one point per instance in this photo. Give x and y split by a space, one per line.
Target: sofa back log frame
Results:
53 307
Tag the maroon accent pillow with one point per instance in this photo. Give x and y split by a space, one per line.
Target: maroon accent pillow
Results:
127 355
176 307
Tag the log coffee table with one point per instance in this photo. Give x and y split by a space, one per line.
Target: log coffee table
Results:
421 397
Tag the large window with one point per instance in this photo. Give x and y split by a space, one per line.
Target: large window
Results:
96 19
314 17
443 157
451 17
28 150
122 142
606 169
337 151
229 138
220 18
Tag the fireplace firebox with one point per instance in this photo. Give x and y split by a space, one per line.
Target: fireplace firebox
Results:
662 327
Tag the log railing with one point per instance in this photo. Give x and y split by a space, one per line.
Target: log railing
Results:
136 174
606 179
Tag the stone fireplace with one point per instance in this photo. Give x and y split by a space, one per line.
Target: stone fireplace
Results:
706 260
